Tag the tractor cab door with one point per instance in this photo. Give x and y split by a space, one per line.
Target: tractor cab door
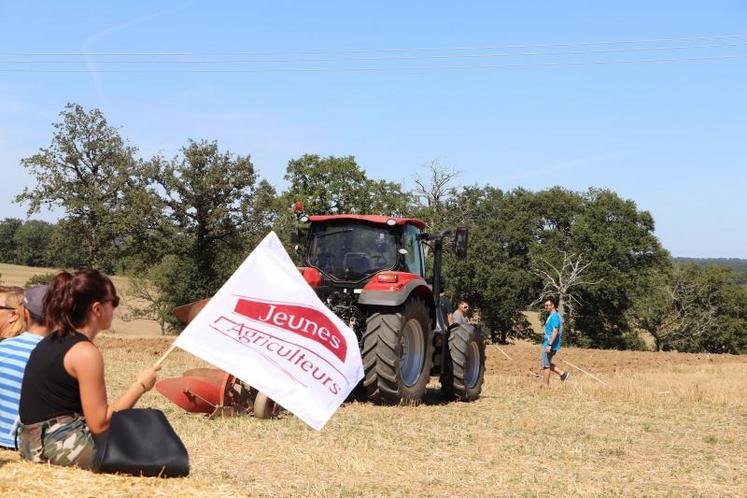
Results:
413 257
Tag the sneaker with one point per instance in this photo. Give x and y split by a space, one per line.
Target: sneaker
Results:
564 376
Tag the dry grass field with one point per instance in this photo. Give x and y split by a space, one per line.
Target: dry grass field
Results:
662 424
19 275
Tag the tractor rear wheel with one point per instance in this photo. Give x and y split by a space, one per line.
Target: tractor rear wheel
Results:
465 364
397 353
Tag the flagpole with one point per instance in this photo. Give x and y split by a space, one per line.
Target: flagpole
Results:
163 357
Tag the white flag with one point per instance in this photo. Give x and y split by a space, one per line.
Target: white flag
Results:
267 327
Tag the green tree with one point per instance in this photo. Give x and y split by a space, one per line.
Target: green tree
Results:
31 241
92 175
8 229
594 249
556 210
694 308
495 278
216 212
337 185
618 242
39 279
63 248
730 333
150 292
553 258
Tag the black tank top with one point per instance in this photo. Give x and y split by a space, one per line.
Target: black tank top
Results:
48 390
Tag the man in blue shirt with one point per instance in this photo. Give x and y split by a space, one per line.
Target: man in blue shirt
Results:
14 354
551 344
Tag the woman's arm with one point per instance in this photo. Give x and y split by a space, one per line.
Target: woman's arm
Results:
85 363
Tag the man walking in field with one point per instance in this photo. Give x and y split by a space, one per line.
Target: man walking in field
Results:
551 344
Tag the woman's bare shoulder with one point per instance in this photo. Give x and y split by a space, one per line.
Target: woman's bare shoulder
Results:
84 351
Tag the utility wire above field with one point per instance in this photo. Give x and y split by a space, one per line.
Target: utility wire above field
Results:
384 69
385 58
667 50
389 49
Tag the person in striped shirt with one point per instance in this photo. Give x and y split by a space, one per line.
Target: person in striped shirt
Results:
14 353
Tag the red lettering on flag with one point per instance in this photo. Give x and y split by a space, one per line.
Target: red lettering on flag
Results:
301 320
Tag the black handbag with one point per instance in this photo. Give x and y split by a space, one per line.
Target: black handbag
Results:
141 442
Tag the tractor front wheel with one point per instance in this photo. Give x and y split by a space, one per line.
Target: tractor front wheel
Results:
465 364
397 353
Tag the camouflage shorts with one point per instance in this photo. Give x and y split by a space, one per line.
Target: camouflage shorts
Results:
63 440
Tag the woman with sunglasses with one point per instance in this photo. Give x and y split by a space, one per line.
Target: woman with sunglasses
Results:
63 397
11 319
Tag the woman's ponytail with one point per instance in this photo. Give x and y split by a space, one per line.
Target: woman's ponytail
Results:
70 297
58 303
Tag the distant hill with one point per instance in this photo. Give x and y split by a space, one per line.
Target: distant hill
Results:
737 265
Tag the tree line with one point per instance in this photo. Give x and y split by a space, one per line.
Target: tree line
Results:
179 227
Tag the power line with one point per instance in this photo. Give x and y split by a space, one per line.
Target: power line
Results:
385 49
389 58
390 68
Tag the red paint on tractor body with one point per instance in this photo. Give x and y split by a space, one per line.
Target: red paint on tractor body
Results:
386 285
379 220
312 276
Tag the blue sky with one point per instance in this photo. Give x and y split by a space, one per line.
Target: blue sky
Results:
545 108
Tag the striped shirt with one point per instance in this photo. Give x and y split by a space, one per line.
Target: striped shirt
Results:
14 353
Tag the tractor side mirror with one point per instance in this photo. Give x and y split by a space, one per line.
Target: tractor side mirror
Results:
460 241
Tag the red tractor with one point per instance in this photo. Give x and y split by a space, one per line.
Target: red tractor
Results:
371 271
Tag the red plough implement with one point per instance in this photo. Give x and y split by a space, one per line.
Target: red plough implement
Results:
212 391
216 394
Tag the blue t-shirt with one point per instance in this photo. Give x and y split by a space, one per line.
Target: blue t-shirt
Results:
14 354
553 322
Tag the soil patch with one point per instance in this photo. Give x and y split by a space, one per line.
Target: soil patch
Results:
525 358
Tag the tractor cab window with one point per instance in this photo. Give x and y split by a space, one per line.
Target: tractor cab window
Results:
351 251
414 256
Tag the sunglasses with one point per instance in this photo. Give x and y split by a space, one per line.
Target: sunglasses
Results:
114 301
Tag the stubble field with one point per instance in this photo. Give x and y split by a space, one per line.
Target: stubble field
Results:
19 275
661 424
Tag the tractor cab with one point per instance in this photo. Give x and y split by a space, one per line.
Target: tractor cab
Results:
348 250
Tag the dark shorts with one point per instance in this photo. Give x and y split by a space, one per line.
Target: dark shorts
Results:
546 358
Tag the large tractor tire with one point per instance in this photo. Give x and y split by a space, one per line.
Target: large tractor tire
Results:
398 353
465 364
